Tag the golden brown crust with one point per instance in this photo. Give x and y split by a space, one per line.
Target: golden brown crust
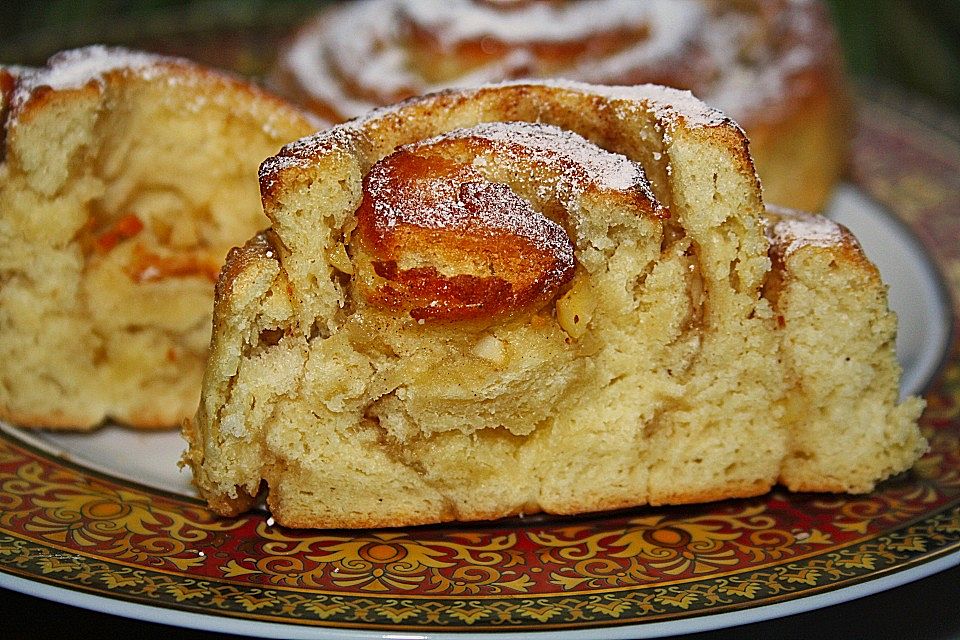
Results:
60 421
241 259
94 66
790 230
230 507
729 491
561 103
406 209
8 80
8 76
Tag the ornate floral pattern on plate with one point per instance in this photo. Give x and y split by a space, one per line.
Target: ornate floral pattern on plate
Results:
70 526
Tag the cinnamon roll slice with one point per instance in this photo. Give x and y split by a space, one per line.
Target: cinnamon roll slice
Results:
125 178
772 65
529 297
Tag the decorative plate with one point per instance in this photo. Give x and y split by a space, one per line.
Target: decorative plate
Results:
105 521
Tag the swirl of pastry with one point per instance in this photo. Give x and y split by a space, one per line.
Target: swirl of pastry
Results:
562 252
521 297
446 234
772 65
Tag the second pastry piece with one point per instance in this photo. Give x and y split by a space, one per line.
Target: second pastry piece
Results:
125 178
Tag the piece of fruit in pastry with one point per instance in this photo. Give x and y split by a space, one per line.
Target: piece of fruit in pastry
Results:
520 298
125 179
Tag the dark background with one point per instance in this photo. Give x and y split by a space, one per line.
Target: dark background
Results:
911 43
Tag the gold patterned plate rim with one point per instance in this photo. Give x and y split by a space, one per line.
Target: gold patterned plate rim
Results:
87 536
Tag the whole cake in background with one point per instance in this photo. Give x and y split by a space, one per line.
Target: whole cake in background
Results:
539 297
772 65
125 178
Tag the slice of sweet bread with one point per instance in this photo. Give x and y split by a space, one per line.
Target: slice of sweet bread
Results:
525 297
845 428
125 178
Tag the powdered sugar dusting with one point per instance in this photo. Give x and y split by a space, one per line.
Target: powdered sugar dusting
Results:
200 86
794 230
406 194
442 183
739 57
667 103
462 204
670 106
577 162
362 35
457 20
76 68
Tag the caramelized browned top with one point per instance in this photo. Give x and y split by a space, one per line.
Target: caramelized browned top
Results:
452 245
791 231
7 79
471 224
